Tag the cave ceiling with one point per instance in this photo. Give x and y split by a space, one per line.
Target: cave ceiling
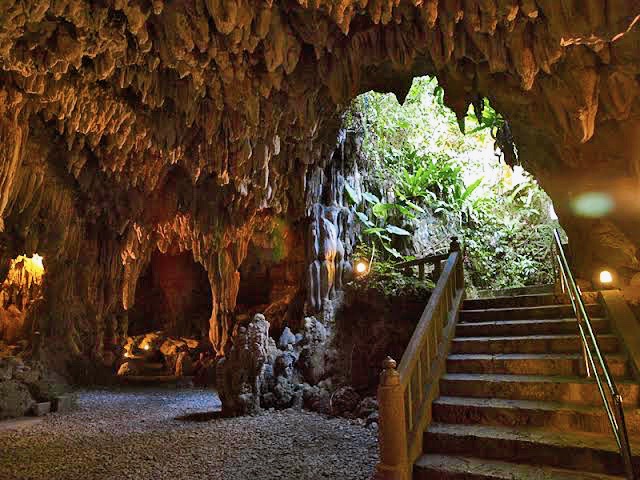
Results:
131 125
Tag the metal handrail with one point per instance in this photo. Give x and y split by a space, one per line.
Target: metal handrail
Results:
590 346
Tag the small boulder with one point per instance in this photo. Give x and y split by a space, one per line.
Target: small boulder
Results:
41 409
284 392
15 399
344 402
316 399
366 407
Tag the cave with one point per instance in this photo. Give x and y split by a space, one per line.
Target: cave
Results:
21 291
270 278
172 295
184 167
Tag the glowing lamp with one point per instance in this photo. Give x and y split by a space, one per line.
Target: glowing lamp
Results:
126 354
362 267
146 347
606 277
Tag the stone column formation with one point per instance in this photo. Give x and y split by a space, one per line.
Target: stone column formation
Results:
130 126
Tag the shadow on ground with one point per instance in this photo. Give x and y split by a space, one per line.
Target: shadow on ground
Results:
200 416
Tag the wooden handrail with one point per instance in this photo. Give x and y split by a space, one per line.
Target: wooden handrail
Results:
435 260
405 393
421 261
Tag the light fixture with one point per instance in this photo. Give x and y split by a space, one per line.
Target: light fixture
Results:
146 347
126 354
361 267
606 277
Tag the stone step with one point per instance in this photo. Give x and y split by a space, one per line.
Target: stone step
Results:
527 413
517 301
573 451
530 344
452 467
527 327
532 364
533 387
526 313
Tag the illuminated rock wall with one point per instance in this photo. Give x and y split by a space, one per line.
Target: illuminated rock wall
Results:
131 126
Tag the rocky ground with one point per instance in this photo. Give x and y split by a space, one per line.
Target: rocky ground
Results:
158 434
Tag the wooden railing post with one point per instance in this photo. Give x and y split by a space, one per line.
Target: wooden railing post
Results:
392 435
454 246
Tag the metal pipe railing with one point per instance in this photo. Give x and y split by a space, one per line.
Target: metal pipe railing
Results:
590 346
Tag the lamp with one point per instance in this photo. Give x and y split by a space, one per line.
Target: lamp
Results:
362 267
604 278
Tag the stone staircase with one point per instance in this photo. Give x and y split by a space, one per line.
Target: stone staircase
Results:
515 403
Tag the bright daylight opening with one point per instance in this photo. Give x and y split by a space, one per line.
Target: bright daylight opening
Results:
432 182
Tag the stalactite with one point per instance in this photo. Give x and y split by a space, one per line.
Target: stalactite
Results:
130 126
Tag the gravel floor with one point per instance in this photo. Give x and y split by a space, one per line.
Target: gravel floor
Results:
127 434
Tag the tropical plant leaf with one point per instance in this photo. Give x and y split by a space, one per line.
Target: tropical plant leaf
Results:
416 207
470 189
364 219
392 251
382 210
352 194
370 197
398 231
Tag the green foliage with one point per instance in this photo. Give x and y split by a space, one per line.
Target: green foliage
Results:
425 171
378 230
385 279
509 244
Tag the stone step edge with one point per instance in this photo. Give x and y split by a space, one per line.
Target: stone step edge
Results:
504 377
558 336
538 436
481 468
517 404
520 309
621 357
528 321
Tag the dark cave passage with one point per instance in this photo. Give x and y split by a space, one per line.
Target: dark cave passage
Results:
270 279
173 295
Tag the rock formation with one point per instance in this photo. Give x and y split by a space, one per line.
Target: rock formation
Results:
131 126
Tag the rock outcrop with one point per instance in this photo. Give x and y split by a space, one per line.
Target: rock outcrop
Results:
127 127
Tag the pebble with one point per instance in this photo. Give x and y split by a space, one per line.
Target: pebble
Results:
138 434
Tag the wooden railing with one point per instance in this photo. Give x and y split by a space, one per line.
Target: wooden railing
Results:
435 260
405 394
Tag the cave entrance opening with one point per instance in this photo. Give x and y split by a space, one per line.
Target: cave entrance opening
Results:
168 324
19 292
432 174
173 295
